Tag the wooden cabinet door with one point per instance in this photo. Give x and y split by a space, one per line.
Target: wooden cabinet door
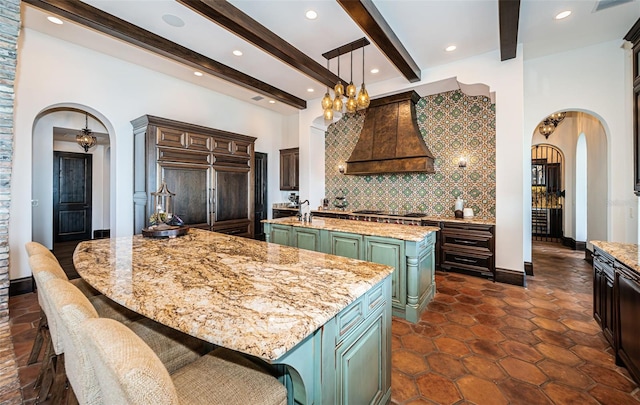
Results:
192 186
391 253
307 239
628 329
289 169
231 194
280 234
346 245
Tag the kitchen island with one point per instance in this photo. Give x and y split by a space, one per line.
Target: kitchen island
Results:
409 249
322 321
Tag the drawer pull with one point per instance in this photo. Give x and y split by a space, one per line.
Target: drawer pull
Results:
461 259
466 242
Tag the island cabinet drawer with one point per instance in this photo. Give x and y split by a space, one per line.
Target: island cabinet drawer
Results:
346 245
359 311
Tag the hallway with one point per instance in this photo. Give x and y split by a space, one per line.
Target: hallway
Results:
479 342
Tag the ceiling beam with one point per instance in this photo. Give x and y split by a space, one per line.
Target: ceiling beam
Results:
366 15
509 13
234 20
105 23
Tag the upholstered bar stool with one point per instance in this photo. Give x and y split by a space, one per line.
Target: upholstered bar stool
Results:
130 373
72 309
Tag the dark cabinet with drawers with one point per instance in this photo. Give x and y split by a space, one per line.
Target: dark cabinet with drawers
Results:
603 278
468 248
210 171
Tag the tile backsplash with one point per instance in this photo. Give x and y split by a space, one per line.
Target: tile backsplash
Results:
453 125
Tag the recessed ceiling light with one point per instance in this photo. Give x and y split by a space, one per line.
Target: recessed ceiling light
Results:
450 48
197 73
272 101
237 52
375 70
173 20
311 15
55 20
563 14
310 90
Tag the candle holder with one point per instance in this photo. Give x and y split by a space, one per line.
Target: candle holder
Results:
162 223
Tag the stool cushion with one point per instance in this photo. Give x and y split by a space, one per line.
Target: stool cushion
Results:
35 248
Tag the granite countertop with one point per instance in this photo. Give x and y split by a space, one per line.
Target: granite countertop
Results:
625 253
254 297
402 232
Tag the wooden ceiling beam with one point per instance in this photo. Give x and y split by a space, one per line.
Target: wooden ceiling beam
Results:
106 23
509 14
366 15
237 22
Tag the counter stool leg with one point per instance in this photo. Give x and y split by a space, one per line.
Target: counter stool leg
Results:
48 353
39 339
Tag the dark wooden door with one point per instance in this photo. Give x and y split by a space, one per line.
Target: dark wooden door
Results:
191 185
261 209
71 196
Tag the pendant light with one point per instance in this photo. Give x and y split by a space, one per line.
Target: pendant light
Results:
86 140
351 104
363 95
327 103
339 91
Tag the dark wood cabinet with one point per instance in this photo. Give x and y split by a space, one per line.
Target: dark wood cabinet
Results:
468 248
633 36
603 308
283 213
210 171
289 169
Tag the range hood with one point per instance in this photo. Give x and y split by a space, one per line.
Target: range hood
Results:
390 141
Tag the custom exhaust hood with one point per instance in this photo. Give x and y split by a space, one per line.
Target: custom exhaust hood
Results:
390 141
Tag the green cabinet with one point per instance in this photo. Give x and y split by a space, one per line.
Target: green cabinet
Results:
412 282
345 245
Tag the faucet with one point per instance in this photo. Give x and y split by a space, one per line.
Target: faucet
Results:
300 210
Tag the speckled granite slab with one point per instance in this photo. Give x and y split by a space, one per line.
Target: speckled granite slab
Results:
254 297
402 232
625 253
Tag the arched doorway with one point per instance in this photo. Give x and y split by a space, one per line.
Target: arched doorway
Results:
547 193
56 153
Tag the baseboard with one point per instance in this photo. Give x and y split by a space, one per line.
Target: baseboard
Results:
21 286
573 244
513 277
528 268
588 256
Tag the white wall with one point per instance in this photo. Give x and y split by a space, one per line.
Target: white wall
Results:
503 78
54 72
594 80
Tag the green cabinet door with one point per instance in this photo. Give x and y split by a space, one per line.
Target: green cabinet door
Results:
346 245
389 252
305 238
280 234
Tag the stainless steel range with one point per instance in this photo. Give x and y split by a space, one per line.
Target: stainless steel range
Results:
388 217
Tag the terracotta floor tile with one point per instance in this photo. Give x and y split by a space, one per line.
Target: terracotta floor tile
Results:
590 328
486 348
483 368
519 393
459 332
523 371
396 343
608 377
485 332
409 362
451 346
538 303
489 320
474 292
461 318
447 291
546 313
492 293
520 335
521 351
445 299
559 354
436 306
564 374
459 307
555 338
519 312
466 299
481 391
438 389
400 327
520 323
432 317
426 329
404 387
549 324
561 394
491 310
596 341
607 395
446 365
594 356
418 343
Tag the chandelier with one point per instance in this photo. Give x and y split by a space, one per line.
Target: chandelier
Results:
355 100
86 140
549 124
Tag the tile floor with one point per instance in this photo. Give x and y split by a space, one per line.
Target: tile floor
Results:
479 342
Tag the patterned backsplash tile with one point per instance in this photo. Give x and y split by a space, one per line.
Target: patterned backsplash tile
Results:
453 125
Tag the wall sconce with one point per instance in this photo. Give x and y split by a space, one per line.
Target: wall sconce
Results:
341 169
462 162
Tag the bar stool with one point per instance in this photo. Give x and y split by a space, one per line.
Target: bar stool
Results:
130 373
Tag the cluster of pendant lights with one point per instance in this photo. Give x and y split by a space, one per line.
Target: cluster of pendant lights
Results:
353 103
549 124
